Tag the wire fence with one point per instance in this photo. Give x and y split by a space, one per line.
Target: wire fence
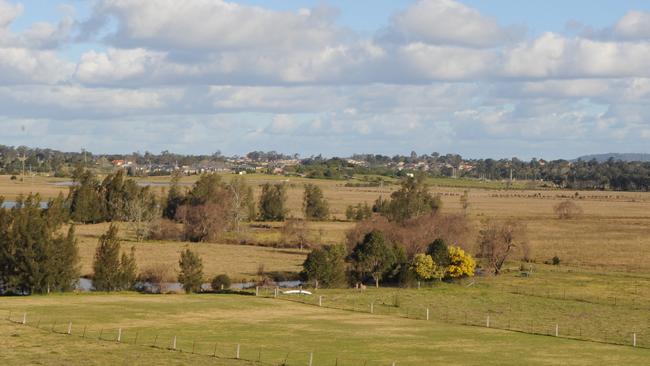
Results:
165 341
545 325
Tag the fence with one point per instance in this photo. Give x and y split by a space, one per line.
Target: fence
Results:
165 341
638 336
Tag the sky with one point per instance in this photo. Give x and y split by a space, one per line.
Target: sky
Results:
482 78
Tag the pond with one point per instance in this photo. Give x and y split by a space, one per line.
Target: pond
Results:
86 285
12 204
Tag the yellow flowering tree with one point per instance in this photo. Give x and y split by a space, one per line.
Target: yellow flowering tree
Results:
423 266
461 264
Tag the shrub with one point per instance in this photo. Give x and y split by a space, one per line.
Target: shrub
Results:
556 261
191 275
221 282
461 264
166 230
567 210
423 266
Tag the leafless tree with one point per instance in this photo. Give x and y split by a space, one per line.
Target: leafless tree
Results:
141 213
499 239
296 232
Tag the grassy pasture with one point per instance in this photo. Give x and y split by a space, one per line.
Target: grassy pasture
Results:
272 331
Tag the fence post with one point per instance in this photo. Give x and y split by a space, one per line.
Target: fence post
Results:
70 328
238 349
634 340
320 301
84 335
488 321
24 318
257 291
311 359
137 333
427 314
119 335
557 330
174 344
372 308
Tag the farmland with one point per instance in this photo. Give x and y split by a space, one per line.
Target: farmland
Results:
271 331
596 299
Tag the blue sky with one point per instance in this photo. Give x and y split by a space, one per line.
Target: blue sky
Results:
484 78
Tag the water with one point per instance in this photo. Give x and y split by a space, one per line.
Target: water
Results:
141 184
86 285
12 204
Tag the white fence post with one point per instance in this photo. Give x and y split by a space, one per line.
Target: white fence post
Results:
24 318
372 308
119 335
257 291
238 349
311 359
70 328
557 330
320 301
488 321
174 344
634 340
427 314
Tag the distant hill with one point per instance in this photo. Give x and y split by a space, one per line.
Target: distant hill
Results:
623 157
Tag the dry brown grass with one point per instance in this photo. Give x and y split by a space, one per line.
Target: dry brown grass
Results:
613 232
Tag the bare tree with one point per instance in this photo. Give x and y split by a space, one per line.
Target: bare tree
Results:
499 239
567 210
296 232
242 202
141 212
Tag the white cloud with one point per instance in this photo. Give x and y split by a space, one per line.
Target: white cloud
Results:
450 22
635 25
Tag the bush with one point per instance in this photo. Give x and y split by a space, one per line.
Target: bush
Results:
221 282
166 230
556 261
567 210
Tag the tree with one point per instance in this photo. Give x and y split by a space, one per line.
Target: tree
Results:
191 274
208 188
499 239
296 232
106 266
411 201
34 257
175 197
86 203
314 204
439 253
112 272
567 210
373 256
203 223
325 266
461 264
221 282
272 202
423 266
128 270
243 202
141 212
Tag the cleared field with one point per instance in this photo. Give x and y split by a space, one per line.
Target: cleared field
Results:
272 331
240 262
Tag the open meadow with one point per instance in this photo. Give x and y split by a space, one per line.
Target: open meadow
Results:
267 332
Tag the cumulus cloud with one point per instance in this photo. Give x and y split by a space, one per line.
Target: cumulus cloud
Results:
439 76
450 22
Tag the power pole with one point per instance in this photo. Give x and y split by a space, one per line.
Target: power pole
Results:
22 160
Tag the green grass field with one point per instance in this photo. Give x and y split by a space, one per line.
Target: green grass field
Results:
273 331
